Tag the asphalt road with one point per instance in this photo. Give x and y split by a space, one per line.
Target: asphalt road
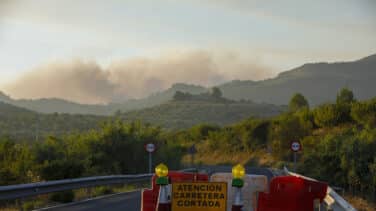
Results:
130 201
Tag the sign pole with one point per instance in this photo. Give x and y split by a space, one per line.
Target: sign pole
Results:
192 160
294 161
150 162
295 147
150 148
192 151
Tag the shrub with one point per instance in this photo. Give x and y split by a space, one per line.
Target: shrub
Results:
102 190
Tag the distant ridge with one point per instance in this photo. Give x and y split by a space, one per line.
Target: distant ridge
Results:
371 58
55 105
318 82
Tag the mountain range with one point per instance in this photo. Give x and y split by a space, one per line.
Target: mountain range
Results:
318 82
54 105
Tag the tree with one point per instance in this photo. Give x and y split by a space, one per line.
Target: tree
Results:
178 95
286 128
364 113
298 102
345 96
327 115
182 96
216 92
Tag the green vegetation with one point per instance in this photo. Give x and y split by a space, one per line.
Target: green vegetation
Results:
22 124
298 102
214 96
187 113
345 96
115 148
339 145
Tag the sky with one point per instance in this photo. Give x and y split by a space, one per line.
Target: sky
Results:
94 51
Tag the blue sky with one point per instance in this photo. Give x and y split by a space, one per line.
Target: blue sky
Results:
276 35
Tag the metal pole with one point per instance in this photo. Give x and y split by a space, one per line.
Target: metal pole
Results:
150 162
295 162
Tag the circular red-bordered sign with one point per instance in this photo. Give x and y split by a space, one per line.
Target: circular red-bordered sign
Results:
150 147
296 146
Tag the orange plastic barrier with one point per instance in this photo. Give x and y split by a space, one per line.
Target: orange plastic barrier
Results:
150 196
290 193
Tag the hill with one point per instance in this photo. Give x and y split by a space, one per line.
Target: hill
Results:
338 145
21 123
318 82
54 105
184 114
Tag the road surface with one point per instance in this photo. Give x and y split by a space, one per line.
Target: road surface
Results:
130 201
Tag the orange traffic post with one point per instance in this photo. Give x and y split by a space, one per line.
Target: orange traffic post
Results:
238 173
164 203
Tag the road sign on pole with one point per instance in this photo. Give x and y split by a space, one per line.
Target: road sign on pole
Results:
150 148
192 151
295 147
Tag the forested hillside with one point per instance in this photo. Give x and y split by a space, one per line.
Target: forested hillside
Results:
176 114
23 124
197 109
338 141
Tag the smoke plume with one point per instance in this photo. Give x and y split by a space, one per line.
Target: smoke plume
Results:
87 82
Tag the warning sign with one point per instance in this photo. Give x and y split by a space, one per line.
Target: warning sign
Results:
199 196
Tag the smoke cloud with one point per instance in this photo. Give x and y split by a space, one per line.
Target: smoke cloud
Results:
77 80
87 82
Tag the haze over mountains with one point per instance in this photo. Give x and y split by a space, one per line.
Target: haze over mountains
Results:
318 82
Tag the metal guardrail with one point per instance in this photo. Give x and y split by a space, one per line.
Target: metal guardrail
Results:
33 189
333 200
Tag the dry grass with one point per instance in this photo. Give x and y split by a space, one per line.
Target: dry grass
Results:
361 204
208 157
